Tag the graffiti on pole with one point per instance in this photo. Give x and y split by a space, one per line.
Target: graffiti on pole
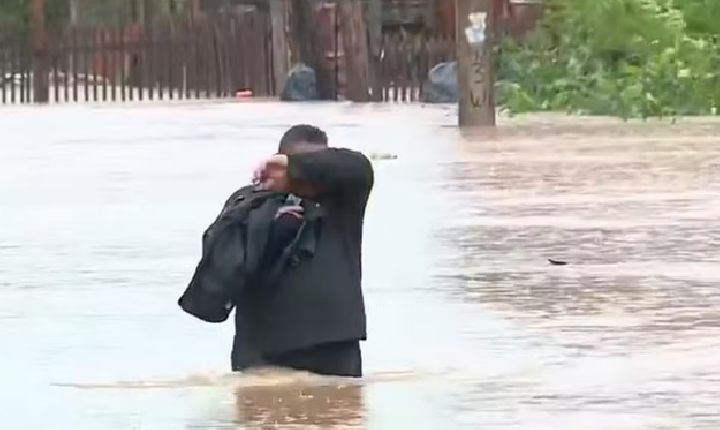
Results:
476 35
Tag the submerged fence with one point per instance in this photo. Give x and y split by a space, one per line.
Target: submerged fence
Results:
216 53
401 71
208 57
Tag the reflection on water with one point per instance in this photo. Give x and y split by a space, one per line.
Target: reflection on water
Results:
323 407
272 397
101 212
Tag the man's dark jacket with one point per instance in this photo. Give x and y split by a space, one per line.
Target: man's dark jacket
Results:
315 300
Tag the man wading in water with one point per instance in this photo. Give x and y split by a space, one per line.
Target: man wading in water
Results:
311 317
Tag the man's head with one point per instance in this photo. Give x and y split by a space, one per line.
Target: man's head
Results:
302 138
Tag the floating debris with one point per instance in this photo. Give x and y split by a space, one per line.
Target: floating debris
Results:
381 156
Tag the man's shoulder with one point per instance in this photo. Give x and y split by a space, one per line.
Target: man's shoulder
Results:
244 195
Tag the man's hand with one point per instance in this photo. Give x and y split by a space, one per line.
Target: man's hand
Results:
272 174
295 211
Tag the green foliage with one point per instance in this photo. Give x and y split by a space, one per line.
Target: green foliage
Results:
702 16
628 58
14 14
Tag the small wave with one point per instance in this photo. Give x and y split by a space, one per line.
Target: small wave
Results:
264 377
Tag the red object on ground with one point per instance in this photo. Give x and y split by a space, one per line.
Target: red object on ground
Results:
241 94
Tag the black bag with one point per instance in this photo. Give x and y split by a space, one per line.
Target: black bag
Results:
219 276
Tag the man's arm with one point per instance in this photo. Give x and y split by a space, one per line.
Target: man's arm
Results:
333 172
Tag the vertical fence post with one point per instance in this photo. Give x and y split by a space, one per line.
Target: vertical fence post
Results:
353 26
306 46
5 77
476 62
280 57
375 26
40 66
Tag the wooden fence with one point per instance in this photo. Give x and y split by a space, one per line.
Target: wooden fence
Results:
207 57
202 58
401 71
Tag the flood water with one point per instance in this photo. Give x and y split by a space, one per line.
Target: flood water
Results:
101 212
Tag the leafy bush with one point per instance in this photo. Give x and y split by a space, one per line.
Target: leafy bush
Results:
628 58
14 14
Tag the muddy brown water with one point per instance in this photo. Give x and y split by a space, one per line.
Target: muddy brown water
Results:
101 211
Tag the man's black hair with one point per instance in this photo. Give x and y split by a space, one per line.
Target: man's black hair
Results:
302 134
